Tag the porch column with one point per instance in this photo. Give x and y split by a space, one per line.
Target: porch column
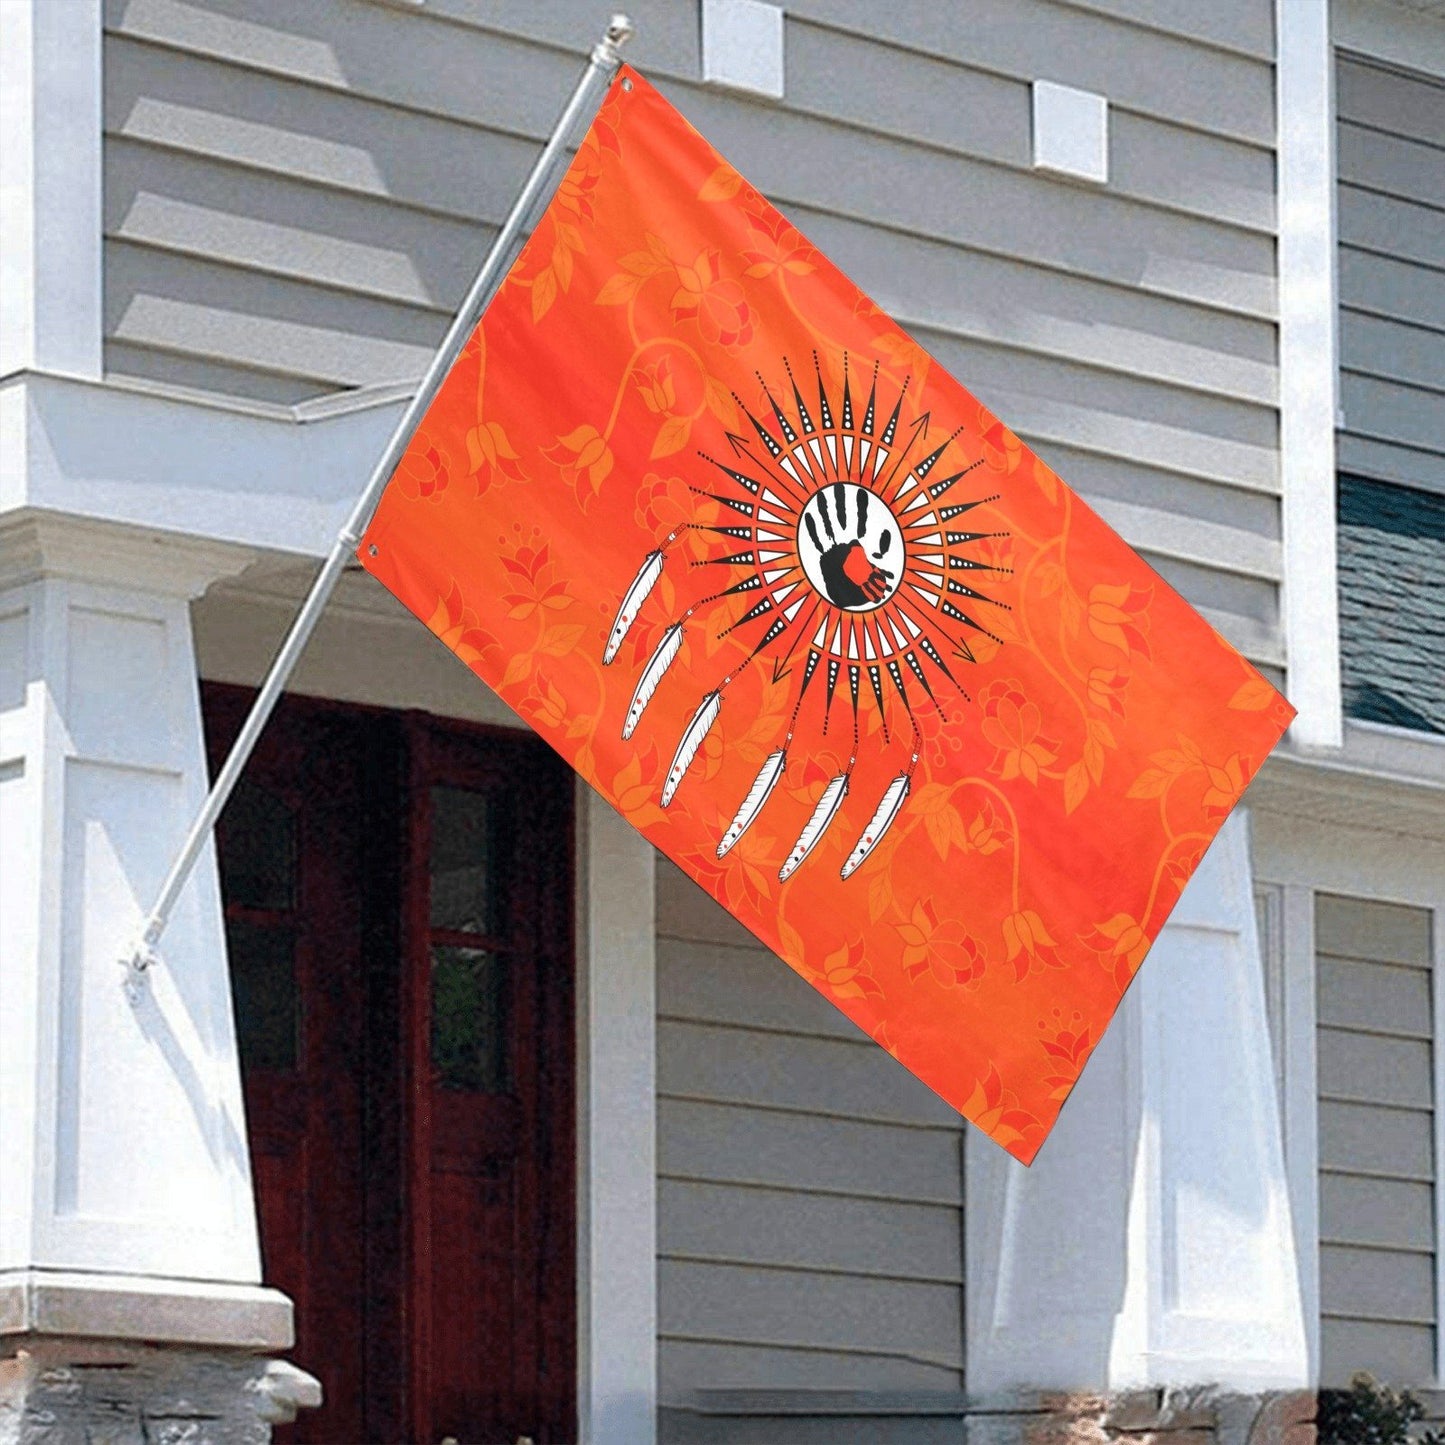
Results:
1151 1242
126 1210
617 1129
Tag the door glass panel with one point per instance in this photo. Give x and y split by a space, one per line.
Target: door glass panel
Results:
259 849
469 848
470 1022
263 991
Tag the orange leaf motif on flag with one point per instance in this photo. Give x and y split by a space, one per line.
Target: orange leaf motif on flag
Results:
1027 944
1119 616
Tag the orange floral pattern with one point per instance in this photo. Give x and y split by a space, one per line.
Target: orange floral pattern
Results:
718 306
1012 724
1066 786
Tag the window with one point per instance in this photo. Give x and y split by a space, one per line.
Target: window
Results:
1392 603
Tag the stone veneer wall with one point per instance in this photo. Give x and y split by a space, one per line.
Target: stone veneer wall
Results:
57 1391
1196 1416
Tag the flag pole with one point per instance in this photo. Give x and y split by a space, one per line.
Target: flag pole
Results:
601 67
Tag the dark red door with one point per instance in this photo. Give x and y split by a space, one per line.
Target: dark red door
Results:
398 910
290 846
489 941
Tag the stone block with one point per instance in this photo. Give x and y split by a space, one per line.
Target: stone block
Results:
1167 1436
1168 1415
61 1391
1078 1422
1287 1418
1136 1410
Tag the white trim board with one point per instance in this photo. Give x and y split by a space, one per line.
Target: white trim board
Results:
1334 857
1437 1060
1298 1102
279 479
50 185
617 1129
368 649
1308 372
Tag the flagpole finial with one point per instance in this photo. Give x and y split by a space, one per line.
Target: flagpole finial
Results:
620 30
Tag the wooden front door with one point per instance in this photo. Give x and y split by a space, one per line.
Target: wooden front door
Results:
398 912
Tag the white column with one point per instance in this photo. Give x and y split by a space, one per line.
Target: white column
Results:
50 186
1151 1242
126 1206
617 1130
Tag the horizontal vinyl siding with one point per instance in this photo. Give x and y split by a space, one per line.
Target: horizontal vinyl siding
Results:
295 201
1376 1147
1391 155
810 1197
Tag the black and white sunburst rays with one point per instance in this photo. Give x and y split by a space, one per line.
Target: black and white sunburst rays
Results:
836 531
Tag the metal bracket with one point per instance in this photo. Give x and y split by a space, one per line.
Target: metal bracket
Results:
620 30
140 956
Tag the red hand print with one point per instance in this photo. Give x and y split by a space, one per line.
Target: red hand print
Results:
869 580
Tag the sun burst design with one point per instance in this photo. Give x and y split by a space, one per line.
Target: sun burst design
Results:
848 536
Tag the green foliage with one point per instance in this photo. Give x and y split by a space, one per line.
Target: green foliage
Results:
1369 1413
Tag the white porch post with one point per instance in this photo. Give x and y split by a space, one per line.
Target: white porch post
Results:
1151 1242
126 1209
617 1129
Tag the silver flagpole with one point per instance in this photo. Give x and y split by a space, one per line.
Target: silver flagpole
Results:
601 67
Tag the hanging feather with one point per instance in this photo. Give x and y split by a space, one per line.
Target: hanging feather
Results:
752 805
823 814
643 584
660 661
893 799
697 730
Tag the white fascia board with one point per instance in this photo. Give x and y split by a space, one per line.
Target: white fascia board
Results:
1372 755
277 478
1308 304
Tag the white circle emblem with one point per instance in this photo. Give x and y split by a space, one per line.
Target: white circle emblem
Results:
851 546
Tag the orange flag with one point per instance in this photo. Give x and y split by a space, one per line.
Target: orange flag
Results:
818 624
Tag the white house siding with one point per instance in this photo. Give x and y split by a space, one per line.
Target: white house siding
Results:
1376 1130
296 195
1391 148
810 1192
